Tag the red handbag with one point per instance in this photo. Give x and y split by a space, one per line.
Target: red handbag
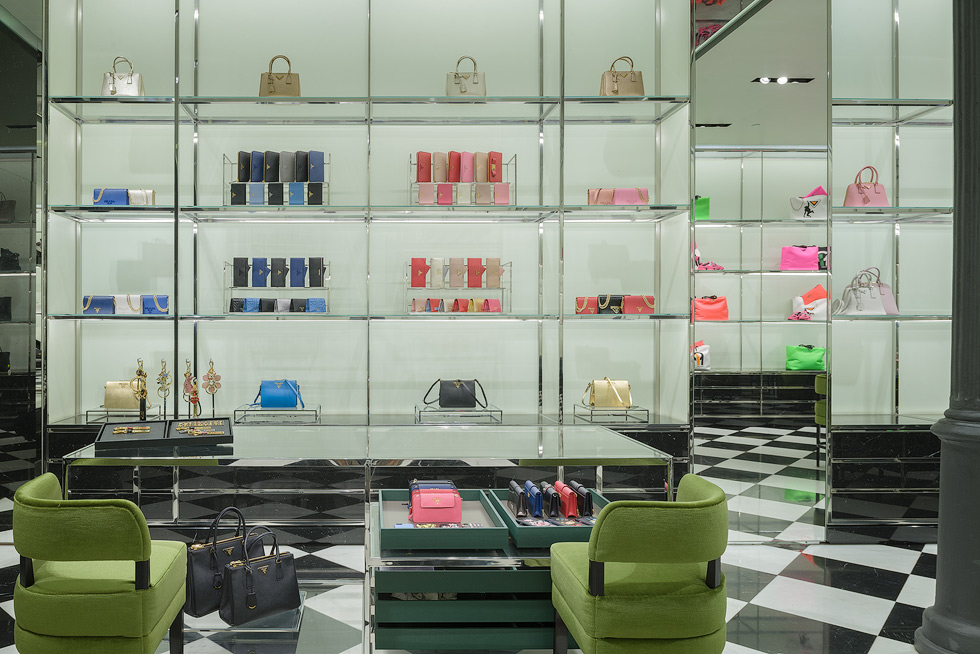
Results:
491 306
461 305
711 307
474 272
586 305
419 270
637 304
569 500
433 305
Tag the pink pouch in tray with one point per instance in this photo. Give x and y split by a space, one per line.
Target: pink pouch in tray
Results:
799 257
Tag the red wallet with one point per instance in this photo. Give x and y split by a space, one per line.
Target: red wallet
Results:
474 275
454 166
444 194
495 162
419 270
423 165
587 305
461 305
569 500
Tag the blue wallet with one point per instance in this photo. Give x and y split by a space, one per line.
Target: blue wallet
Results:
258 166
251 305
316 166
297 271
316 305
535 500
155 305
260 272
102 305
110 197
256 193
296 193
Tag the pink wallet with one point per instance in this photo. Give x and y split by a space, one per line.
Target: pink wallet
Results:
457 269
427 193
418 305
475 270
444 193
624 196
423 167
419 270
466 172
600 196
480 160
501 193
461 305
494 271
484 193
491 306
440 167
496 167
454 161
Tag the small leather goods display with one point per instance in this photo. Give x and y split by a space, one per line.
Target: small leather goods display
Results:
638 304
440 167
278 394
484 194
238 194
456 394
615 82
316 271
535 499
267 305
119 395
239 271
444 194
516 500
427 194
584 498
437 273
275 194
457 272
710 307
257 160
491 306
122 83
155 305
462 84
7 208
314 194
586 305
423 166
454 163
302 166
701 356
419 270
128 304
297 272
501 194
495 167
244 166
297 305
141 197
474 273
600 196
283 85
812 205
110 197
812 305
287 166
551 504
260 272
256 193
207 559
867 295
805 357
278 273
251 305
866 194
610 304
481 175
494 272
619 196
608 393
316 167
799 257
102 305
569 499
258 586
467 173
434 502
282 305
237 305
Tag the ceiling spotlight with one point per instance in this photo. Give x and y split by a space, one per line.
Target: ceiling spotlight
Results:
764 80
782 80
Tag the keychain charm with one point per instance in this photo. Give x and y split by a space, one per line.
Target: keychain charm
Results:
212 382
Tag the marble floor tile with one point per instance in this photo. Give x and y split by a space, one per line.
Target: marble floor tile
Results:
733 607
730 648
349 556
717 452
713 431
873 556
772 560
754 441
889 646
344 603
918 591
874 582
773 631
926 566
768 508
803 533
730 486
751 466
795 483
743 537
771 431
931 548
780 451
902 623
825 604
744 584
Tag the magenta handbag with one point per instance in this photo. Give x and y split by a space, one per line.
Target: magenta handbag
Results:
800 257
627 196
861 194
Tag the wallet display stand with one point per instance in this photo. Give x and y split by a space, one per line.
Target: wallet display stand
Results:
464 194
635 415
247 414
95 416
319 194
433 415
277 292
416 296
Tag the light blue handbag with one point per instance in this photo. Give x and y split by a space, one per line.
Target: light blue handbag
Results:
278 394
155 305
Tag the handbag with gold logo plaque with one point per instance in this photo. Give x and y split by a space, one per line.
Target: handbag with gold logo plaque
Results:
608 393
285 85
617 83
206 562
258 586
458 83
279 393
457 394
115 83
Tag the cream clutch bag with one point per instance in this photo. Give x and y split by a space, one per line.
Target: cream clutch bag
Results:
120 395
142 197
625 83
128 305
608 393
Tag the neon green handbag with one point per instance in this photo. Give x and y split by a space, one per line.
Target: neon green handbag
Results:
805 357
702 208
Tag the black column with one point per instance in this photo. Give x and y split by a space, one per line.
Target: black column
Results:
953 623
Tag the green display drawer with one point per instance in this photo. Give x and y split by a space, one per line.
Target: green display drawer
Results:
463 638
542 537
477 508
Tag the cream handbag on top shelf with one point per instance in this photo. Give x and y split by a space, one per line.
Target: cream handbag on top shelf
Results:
618 83
608 393
460 84
116 83
285 85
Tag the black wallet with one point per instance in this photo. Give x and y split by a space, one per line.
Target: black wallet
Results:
239 194
302 166
244 167
298 305
314 193
279 270
610 303
272 166
517 500
5 309
275 193
240 272
552 500
267 304
316 271
585 507
237 305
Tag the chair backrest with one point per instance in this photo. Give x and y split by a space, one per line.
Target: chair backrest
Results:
50 528
693 529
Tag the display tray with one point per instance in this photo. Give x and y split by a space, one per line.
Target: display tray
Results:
634 415
433 415
162 434
541 537
477 508
251 414
104 415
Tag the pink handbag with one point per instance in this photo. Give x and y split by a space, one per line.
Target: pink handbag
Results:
626 196
800 257
491 306
711 307
860 194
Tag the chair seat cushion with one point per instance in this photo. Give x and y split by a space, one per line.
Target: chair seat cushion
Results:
646 600
99 598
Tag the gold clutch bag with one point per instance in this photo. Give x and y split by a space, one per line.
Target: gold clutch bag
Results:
120 395
608 393
279 84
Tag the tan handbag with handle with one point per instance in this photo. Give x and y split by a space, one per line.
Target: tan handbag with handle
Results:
621 83
608 393
285 85
120 395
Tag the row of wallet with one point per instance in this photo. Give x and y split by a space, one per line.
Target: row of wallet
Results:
277 305
459 305
621 304
109 305
273 272
124 197
273 193
571 500
450 193
270 166
459 272
459 167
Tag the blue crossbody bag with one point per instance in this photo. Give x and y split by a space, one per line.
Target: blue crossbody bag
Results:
278 394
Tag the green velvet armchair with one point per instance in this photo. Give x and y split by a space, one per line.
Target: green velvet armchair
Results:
649 579
91 580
